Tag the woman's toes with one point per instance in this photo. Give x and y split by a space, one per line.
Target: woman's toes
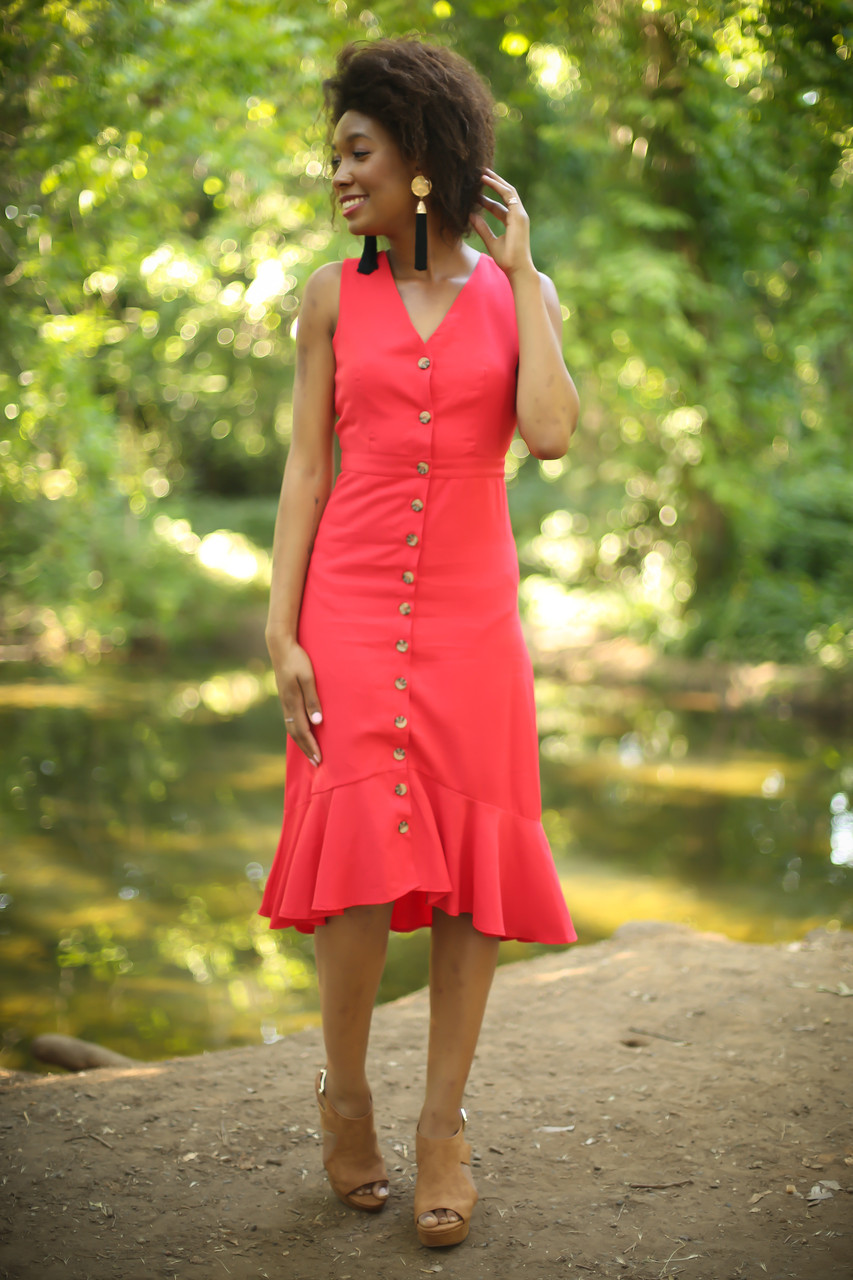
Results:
377 1189
439 1216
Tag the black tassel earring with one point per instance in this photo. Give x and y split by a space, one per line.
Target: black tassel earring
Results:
421 187
368 261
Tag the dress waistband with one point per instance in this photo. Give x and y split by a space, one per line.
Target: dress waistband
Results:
403 465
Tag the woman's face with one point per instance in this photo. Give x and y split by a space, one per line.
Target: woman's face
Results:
371 179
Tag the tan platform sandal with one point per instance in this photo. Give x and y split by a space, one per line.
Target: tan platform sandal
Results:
444 1182
355 1159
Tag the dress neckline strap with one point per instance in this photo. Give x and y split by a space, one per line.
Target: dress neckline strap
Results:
385 266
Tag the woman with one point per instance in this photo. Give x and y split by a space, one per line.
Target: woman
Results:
412 762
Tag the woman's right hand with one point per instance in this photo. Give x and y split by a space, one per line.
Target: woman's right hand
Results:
297 691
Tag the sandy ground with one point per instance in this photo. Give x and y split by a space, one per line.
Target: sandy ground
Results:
661 1104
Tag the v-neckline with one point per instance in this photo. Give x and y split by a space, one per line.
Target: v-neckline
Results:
426 341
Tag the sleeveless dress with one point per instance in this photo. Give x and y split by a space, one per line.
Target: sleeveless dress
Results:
428 792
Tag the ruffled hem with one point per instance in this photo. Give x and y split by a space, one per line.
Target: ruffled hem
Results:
458 855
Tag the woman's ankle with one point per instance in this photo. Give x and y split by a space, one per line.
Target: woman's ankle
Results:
348 1095
440 1121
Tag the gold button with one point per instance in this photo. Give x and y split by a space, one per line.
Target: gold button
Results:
405 608
412 539
400 682
399 753
401 788
400 722
423 363
408 577
403 828
417 505
423 468
402 646
425 416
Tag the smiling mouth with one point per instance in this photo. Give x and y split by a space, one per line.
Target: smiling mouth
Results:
349 203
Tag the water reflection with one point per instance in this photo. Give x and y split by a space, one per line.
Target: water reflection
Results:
140 815
725 821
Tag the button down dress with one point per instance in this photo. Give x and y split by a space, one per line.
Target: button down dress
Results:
428 792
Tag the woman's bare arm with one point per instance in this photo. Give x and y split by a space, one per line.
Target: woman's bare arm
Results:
305 490
546 399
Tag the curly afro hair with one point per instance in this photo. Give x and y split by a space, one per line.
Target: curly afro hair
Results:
435 107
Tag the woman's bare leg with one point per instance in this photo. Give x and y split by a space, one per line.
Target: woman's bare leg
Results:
462 965
350 953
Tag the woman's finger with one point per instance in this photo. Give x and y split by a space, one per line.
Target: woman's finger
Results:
503 188
309 697
298 728
499 210
484 231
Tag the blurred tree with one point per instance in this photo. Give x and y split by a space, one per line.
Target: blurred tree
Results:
688 172
688 169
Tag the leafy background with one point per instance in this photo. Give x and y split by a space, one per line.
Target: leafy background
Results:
688 172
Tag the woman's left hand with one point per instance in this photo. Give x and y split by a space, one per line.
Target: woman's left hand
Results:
511 251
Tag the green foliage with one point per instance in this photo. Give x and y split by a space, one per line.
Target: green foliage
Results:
702 161
795 580
688 172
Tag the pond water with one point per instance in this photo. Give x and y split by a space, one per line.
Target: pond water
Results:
140 813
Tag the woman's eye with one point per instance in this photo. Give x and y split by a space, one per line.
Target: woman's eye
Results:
335 162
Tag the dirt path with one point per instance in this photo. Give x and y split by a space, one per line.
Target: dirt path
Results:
661 1104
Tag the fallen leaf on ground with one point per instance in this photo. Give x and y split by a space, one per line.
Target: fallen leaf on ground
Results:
823 1190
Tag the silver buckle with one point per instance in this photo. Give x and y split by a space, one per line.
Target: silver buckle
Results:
321 1087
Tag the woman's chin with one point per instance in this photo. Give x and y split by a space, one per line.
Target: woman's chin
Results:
364 230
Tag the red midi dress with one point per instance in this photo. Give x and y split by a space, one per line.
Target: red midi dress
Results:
428 792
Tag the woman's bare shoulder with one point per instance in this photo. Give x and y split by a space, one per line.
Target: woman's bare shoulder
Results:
326 277
321 296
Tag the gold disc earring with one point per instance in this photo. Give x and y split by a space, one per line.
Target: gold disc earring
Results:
421 187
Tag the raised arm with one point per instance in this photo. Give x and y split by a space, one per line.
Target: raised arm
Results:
546 401
304 492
